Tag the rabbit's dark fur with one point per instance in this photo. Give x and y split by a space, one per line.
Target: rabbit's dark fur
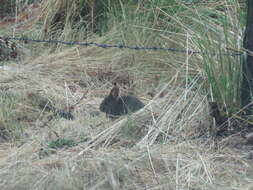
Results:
115 105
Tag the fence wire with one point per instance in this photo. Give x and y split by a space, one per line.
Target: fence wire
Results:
120 46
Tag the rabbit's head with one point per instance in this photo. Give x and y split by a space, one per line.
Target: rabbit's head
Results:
112 104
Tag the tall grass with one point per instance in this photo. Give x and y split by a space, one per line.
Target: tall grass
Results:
214 29
220 43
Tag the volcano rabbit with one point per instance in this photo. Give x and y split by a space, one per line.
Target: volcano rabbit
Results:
115 105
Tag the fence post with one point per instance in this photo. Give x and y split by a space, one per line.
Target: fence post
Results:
247 80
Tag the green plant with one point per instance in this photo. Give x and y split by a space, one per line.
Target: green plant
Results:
60 143
221 66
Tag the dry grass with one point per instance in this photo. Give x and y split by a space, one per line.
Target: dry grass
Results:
166 145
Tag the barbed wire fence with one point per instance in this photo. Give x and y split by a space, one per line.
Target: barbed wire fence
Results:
120 46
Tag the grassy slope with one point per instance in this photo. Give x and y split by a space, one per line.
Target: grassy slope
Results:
156 148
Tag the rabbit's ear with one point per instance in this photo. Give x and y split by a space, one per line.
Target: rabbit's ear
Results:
115 91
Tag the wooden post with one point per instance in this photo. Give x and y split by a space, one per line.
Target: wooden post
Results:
247 81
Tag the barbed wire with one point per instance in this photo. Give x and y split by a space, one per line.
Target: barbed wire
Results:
120 46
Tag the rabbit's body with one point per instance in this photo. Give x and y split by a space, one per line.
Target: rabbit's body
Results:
115 105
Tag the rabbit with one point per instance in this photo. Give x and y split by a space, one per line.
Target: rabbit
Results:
114 105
